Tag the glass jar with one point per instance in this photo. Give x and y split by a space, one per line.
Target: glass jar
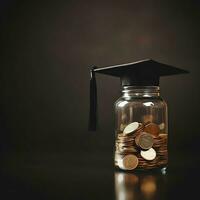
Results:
141 129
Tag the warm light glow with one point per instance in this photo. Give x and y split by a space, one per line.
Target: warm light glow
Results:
148 186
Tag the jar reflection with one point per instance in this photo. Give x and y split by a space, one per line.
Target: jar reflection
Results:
130 186
148 186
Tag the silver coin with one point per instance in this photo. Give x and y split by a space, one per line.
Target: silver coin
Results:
131 128
149 154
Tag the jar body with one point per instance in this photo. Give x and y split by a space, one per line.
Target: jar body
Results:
141 129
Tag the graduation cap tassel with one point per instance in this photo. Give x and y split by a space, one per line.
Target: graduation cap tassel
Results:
93 101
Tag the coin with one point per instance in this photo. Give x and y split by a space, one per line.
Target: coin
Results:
152 128
121 139
149 154
124 137
144 140
163 135
129 162
127 145
131 128
124 144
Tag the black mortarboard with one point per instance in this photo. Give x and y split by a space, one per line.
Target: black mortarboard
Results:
141 73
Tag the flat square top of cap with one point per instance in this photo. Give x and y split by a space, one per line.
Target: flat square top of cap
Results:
141 67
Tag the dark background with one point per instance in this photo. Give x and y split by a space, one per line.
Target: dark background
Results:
47 47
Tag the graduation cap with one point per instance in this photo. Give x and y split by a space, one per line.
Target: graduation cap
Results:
141 73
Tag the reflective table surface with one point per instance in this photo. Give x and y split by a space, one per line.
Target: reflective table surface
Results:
92 176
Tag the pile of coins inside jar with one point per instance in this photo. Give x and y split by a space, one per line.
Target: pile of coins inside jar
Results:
141 146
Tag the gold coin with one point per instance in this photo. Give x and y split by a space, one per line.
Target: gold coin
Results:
144 140
152 128
129 162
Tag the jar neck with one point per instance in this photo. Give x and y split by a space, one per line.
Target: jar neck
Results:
141 91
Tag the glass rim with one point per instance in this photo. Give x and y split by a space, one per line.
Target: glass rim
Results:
140 87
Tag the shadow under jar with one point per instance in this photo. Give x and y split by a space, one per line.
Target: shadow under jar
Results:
141 129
